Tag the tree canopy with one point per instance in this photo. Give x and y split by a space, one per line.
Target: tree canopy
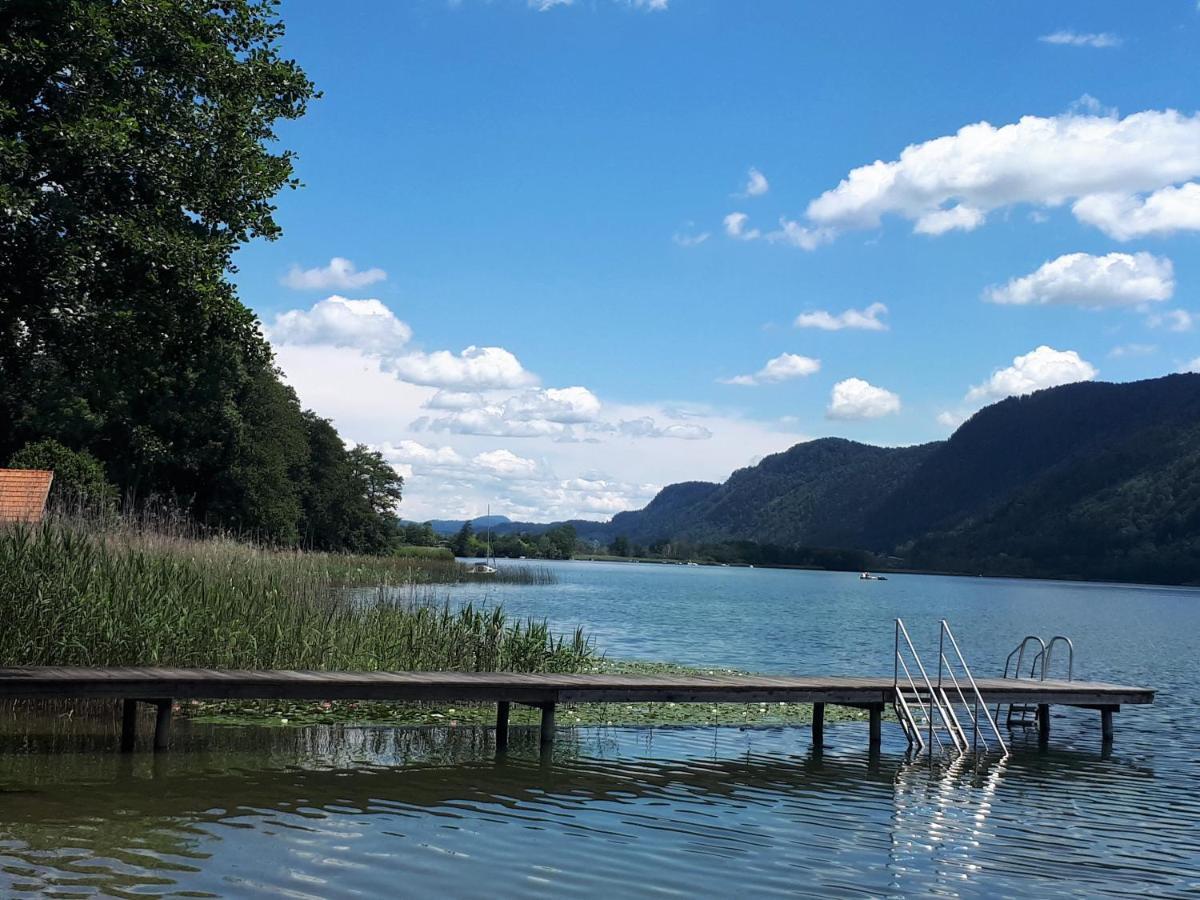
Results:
138 152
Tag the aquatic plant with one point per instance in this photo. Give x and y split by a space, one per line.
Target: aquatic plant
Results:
74 596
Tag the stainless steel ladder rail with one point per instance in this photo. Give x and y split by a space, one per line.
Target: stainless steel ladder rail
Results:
1019 714
977 704
1045 656
932 700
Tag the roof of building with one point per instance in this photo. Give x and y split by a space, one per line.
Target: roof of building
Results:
23 494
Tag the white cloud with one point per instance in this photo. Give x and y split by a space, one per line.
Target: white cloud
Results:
1098 40
649 5
589 470
506 463
756 184
865 319
955 180
339 275
567 405
1093 282
546 5
1192 367
476 368
1126 216
1041 368
796 235
735 227
410 452
855 398
781 368
1126 350
690 238
1179 320
445 399
338 322
646 427
956 218
948 419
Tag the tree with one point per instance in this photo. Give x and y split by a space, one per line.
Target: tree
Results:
137 153
619 546
461 545
79 480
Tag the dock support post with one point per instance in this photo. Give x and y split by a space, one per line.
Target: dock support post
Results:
547 725
502 726
162 725
1106 724
876 724
818 724
128 725
1043 721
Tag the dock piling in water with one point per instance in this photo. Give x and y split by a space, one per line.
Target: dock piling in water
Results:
544 691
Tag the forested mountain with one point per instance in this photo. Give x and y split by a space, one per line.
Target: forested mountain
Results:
1089 480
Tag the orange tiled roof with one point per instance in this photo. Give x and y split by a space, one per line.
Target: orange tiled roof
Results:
23 494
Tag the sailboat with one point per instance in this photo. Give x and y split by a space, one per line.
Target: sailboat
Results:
488 566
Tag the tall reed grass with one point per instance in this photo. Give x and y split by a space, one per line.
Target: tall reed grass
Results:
73 595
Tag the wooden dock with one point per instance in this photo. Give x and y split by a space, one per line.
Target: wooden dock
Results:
162 686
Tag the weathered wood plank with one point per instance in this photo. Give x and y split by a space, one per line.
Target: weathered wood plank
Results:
215 684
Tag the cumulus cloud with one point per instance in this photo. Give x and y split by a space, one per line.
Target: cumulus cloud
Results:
1127 216
475 368
855 398
533 413
1040 368
735 227
756 184
1192 367
1093 282
1103 162
1178 320
410 452
507 464
948 419
794 234
339 275
865 319
366 325
781 368
445 399
1098 40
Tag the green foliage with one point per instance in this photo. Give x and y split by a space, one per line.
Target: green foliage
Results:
462 544
137 153
79 480
1090 480
75 597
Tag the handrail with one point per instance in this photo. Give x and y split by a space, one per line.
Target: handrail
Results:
1050 649
925 711
933 697
975 736
1019 653
946 632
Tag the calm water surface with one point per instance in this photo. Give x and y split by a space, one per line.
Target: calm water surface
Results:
365 812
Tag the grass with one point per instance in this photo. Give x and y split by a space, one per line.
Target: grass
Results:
73 594
79 596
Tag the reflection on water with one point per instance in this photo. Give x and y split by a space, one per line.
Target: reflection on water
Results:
339 812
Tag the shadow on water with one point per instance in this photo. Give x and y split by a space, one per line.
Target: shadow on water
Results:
315 811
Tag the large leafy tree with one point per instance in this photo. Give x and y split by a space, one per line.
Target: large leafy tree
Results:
137 153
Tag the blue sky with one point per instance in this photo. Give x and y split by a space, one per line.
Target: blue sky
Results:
539 181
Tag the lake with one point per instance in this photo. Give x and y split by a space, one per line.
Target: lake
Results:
363 812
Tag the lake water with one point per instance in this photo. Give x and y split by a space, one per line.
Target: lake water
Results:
718 811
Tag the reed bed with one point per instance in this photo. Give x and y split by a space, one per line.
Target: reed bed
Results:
72 595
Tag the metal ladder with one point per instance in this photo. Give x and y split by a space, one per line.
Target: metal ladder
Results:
926 710
1024 715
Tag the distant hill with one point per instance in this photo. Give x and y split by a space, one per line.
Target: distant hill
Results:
1090 480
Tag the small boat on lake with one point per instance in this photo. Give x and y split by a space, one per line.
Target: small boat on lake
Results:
867 576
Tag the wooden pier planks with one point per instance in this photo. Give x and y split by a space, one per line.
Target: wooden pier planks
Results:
221 684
